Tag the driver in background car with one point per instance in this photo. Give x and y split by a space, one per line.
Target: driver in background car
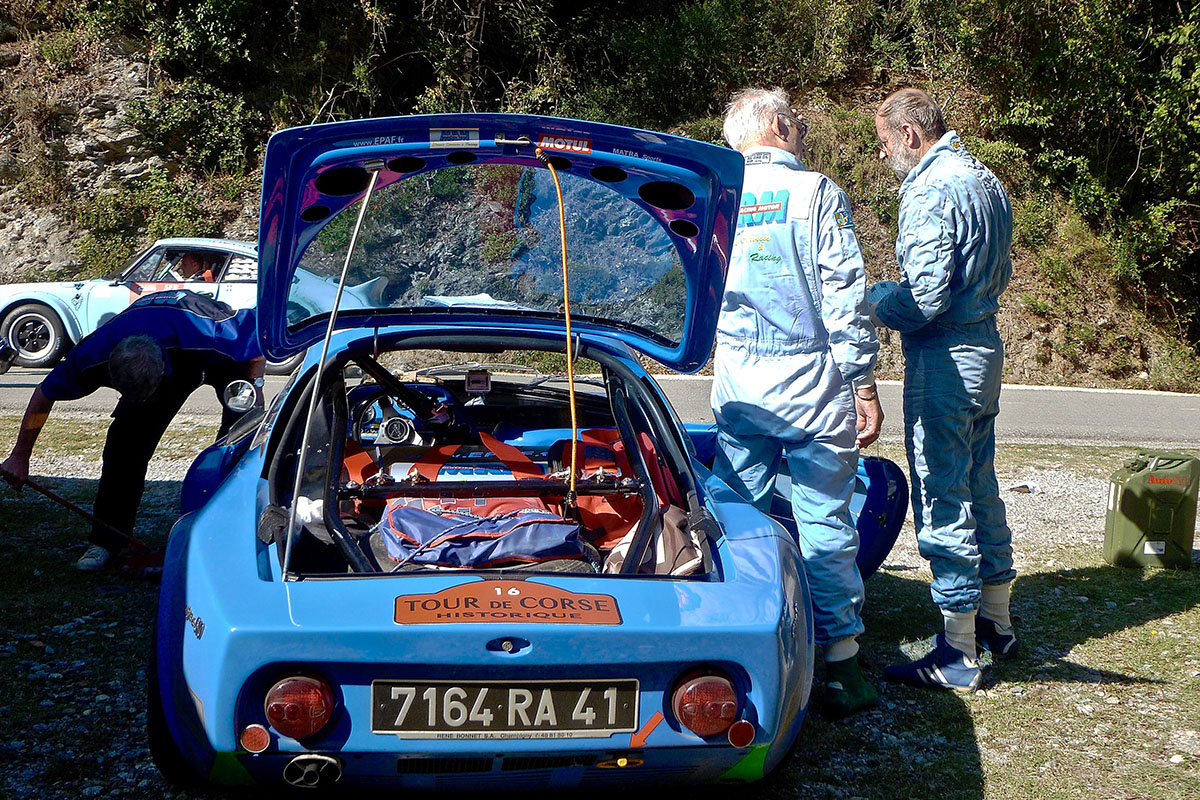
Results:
193 267
793 372
155 354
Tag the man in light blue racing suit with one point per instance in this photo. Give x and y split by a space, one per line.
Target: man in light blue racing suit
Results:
955 232
794 368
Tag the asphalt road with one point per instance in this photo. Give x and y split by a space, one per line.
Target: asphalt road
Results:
1033 414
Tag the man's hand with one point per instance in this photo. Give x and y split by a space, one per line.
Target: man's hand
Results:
15 470
870 419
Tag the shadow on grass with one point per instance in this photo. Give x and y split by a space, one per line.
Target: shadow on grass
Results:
922 743
916 743
1057 611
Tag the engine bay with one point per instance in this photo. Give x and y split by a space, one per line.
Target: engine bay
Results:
483 465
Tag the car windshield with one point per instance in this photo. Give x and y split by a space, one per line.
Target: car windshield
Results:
487 237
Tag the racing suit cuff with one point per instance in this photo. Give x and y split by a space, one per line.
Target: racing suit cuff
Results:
864 380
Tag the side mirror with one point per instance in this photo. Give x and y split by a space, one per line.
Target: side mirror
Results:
239 396
8 354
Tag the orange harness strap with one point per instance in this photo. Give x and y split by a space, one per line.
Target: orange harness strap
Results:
522 466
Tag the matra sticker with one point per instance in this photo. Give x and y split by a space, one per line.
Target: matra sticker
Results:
843 219
196 623
634 154
758 158
453 137
566 144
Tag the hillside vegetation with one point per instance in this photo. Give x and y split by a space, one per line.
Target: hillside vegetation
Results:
1089 112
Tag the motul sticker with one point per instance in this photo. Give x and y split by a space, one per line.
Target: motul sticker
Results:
507 601
1155 549
566 144
453 137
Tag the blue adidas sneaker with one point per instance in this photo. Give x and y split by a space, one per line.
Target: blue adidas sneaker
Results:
1000 642
946 667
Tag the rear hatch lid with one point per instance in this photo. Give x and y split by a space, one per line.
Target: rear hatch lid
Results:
464 225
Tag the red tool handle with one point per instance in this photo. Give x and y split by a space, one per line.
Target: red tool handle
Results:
134 542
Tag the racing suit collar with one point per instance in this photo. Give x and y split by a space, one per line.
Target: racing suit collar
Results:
949 143
773 155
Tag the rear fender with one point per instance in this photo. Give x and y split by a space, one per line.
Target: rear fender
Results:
180 711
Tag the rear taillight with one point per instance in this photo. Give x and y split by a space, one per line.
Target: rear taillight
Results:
299 706
706 704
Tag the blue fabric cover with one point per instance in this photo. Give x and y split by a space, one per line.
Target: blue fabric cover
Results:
414 535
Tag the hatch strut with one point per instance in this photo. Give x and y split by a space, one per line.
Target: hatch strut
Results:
570 501
374 167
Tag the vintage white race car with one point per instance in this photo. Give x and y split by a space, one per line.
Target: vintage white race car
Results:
44 320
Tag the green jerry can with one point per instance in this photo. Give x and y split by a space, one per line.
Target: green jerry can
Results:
1152 511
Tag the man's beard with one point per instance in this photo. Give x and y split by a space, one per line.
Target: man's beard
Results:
902 162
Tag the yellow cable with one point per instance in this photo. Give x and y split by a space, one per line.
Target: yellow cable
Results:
562 229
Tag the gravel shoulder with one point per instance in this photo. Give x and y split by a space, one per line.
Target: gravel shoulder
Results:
1101 703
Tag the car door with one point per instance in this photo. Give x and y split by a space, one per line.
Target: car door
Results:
159 271
105 299
238 285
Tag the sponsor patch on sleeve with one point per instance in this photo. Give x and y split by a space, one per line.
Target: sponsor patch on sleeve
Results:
843 219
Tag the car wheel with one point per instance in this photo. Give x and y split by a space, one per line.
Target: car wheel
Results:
285 367
163 750
37 334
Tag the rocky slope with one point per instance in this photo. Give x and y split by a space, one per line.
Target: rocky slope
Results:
64 139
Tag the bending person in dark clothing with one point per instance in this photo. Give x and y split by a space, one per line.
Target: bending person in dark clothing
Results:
155 353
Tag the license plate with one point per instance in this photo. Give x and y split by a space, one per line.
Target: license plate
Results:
504 710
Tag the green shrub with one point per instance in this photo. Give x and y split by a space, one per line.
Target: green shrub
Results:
1036 305
1057 269
205 127
1175 368
63 50
1147 242
102 255
155 208
1034 221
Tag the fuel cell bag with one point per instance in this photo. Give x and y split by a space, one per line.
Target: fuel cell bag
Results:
455 539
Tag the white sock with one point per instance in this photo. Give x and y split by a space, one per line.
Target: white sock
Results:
960 631
993 604
841 649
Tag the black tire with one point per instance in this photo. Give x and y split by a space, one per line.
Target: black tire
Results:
163 750
285 367
37 334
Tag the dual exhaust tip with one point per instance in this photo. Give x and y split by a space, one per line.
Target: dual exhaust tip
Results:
312 771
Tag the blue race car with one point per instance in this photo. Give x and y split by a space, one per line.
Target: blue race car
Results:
435 561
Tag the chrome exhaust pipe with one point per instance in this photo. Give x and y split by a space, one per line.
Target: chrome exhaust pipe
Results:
312 771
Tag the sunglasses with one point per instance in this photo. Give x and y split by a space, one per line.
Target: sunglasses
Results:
796 122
